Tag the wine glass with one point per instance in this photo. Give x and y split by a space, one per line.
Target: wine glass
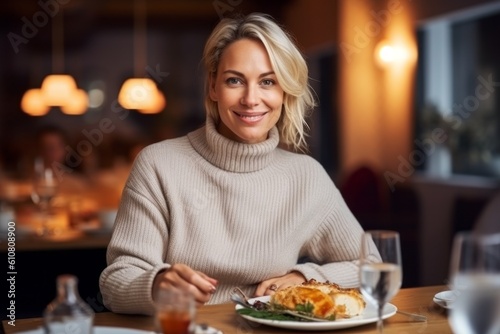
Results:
380 270
45 188
475 280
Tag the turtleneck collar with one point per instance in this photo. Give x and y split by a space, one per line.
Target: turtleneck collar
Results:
231 155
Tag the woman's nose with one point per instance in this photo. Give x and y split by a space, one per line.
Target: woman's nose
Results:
250 97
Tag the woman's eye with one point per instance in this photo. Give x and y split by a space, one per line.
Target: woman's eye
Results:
233 81
268 82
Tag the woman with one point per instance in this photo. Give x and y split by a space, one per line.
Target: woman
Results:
224 206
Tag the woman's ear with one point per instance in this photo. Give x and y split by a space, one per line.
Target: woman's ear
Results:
211 84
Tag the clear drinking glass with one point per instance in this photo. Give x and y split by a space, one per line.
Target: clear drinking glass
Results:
475 280
380 269
175 312
45 186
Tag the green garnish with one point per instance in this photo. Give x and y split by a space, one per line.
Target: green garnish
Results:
305 308
269 315
279 313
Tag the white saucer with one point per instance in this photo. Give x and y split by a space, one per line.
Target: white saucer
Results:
445 299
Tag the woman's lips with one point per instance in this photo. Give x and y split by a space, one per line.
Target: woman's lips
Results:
250 117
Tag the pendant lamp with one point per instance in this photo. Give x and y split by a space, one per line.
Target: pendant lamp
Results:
139 93
33 103
57 90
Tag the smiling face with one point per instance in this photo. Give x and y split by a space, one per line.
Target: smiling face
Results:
248 95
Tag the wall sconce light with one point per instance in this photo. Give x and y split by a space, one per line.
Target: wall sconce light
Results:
391 54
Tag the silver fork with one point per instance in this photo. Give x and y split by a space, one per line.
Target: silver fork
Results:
413 316
239 297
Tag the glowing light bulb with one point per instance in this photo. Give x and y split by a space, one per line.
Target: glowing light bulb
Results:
33 103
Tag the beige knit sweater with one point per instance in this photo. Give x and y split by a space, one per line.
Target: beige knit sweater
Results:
240 213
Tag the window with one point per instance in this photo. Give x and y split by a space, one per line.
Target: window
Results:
458 93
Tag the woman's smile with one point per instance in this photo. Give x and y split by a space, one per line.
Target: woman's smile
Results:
250 117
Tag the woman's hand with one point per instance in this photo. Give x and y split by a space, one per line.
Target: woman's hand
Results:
269 287
180 276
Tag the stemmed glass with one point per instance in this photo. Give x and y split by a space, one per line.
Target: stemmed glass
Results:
475 280
380 269
45 188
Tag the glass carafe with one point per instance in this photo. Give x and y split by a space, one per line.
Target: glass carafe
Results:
68 313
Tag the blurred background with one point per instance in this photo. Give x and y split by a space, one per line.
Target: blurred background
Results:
407 123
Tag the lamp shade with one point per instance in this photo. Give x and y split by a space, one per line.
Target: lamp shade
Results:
57 88
156 104
33 103
141 94
77 103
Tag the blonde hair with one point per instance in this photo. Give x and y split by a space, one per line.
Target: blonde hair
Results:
287 62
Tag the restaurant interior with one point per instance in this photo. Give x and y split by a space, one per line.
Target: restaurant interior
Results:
407 124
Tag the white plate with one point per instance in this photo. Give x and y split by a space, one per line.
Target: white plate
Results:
119 330
368 316
444 299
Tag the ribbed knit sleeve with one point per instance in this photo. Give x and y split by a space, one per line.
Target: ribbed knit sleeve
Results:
138 243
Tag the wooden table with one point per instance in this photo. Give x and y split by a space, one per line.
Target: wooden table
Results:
223 317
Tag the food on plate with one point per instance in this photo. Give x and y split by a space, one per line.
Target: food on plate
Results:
321 300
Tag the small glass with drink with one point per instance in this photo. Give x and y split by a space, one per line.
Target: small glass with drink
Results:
175 312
